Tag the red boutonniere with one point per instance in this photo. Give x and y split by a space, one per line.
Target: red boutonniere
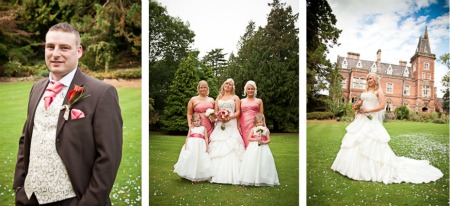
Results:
75 95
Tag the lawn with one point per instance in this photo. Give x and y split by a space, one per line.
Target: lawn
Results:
13 104
410 139
167 188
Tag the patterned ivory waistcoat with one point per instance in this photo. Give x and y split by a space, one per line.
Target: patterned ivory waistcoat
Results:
47 175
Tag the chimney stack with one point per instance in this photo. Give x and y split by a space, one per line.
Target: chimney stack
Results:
402 63
352 55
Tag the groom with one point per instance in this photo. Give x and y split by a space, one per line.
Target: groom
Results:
71 144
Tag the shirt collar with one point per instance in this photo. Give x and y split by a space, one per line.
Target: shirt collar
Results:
67 79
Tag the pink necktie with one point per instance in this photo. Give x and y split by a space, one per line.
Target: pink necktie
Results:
53 88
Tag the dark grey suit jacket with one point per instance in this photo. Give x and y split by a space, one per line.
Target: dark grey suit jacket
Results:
90 147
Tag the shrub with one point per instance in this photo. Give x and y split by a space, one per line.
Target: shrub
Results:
445 117
319 115
12 69
435 116
413 116
118 74
390 116
425 117
402 112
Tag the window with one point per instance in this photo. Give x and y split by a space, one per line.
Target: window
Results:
354 99
426 91
344 64
359 65
406 72
389 88
374 67
426 66
344 83
406 90
389 69
359 82
388 105
428 75
423 75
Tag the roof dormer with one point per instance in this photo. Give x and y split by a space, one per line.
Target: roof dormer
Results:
389 70
373 68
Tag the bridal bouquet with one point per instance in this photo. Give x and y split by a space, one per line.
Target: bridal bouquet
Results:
357 106
223 114
260 131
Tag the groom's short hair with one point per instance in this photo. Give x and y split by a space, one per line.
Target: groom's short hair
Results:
66 27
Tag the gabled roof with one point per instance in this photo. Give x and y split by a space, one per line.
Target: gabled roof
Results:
397 70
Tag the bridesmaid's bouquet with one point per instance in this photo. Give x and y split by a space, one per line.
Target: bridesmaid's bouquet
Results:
223 114
260 131
210 114
357 106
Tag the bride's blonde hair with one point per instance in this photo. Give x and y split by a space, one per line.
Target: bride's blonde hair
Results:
375 78
222 92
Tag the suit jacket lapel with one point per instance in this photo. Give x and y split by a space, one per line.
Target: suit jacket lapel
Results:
78 79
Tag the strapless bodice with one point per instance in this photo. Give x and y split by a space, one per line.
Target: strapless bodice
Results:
370 100
227 104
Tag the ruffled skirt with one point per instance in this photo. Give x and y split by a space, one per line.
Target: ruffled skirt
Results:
365 155
226 149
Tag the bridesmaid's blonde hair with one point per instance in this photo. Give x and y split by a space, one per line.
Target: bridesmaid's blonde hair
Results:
196 115
222 92
375 78
250 83
198 86
259 117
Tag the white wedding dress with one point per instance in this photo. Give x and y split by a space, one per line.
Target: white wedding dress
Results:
365 153
226 148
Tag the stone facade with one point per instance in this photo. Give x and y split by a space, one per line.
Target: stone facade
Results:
402 85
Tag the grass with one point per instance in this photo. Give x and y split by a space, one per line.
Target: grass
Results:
167 188
13 104
410 139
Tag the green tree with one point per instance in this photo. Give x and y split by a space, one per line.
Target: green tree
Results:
153 116
111 35
216 60
110 31
269 56
445 60
170 40
321 34
335 98
183 87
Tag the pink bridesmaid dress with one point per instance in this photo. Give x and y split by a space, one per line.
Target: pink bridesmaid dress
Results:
201 108
249 109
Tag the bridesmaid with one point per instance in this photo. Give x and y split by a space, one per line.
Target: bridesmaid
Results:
250 106
199 104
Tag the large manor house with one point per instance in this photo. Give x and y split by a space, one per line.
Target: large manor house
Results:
402 85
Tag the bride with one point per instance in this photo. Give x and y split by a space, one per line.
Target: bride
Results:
365 153
226 147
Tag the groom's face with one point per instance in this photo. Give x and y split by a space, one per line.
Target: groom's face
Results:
61 53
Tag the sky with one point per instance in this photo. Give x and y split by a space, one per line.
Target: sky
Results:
221 23
394 27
